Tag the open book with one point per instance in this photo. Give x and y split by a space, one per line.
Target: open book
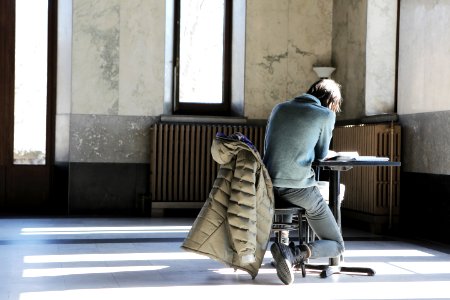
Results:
351 155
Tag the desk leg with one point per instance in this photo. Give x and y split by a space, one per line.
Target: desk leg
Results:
334 266
335 179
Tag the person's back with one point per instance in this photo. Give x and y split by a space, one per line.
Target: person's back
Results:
299 131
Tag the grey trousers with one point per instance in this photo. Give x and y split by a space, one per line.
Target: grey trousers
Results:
320 218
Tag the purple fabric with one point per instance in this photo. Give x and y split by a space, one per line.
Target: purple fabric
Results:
237 136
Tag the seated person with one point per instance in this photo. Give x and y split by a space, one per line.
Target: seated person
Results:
298 132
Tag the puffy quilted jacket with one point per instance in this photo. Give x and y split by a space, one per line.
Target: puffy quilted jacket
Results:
234 225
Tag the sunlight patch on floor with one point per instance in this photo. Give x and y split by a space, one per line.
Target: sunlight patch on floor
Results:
340 291
111 257
103 230
48 272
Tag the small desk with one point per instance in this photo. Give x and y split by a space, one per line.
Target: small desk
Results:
336 167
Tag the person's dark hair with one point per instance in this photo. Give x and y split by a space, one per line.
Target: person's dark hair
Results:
328 92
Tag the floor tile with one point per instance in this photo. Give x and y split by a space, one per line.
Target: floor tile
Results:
137 258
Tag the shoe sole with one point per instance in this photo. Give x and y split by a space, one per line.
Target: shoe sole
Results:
283 265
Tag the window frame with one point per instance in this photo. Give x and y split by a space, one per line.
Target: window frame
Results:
26 188
223 108
7 76
52 28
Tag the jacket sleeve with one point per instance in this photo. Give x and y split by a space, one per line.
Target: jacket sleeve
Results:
241 212
323 144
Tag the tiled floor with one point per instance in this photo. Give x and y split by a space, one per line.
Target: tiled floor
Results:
92 258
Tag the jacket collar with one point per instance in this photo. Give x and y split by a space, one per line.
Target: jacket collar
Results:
305 98
224 148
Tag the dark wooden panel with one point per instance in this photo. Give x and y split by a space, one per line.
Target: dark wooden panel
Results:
2 187
27 189
108 189
7 17
425 206
24 189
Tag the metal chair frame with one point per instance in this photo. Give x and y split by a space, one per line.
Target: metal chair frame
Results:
292 219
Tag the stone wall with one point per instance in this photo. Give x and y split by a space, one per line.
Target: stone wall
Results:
284 40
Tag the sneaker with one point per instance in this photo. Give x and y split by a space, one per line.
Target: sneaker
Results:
283 257
300 254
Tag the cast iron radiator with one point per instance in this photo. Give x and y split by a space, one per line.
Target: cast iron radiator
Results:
372 194
182 170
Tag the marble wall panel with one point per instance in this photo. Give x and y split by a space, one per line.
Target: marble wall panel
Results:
62 140
381 45
266 56
423 79
349 54
284 39
424 56
141 80
115 139
64 58
425 142
238 58
95 58
309 42
64 82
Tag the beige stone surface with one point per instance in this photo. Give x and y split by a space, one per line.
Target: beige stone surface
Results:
424 56
141 84
284 39
118 57
380 57
95 60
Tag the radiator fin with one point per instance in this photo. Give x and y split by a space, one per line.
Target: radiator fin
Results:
368 189
182 168
183 171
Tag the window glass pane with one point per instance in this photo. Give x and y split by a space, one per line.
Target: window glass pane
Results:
201 51
30 99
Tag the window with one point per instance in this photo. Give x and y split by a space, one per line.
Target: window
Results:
202 57
30 97
27 105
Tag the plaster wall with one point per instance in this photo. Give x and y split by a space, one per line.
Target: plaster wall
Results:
381 50
423 85
424 60
64 81
284 40
117 78
111 84
95 57
349 54
118 57
364 53
118 62
118 66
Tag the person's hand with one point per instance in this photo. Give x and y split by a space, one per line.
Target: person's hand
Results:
330 154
